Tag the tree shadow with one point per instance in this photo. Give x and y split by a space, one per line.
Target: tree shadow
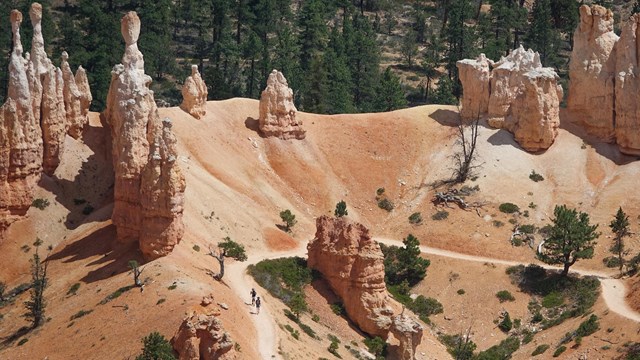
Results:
114 258
9 340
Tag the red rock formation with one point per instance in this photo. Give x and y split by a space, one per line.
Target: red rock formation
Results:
202 337
20 138
76 117
409 333
162 194
277 110
53 119
148 208
591 71
475 76
352 264
627 89
194 94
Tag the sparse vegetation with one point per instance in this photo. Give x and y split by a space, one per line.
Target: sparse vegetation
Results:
535 176
116 294
36 304
294 333
22 341
501 351
156 347
40 203
80 314
504 295
341 209
559 351
288 218
334 346
440 215
508 208
415 218
460 346
338 309
498 223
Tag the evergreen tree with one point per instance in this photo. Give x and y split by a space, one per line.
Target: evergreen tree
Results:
364 59
566 16
36 304
156 347
155 37
508 19
404 264
459 40
390 95
444 93
570 239
620 227
542 37
409 48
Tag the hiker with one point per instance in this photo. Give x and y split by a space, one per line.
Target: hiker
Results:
258 305
253 296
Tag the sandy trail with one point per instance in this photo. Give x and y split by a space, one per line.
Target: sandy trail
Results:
613 290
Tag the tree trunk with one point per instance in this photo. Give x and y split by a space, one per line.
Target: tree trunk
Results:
565 271
221 263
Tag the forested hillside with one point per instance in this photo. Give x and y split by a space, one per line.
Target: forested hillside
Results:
340 56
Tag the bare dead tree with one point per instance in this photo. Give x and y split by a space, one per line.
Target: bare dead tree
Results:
465 157
137 271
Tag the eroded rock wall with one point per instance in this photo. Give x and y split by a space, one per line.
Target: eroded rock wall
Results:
475 76
277 110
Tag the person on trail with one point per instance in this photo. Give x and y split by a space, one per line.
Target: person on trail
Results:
258 305
253 296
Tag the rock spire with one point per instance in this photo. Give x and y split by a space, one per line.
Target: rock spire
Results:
194 94
277 110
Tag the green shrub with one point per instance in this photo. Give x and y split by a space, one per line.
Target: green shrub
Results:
501 351
611 262
528 337
376 346
288 218
404 263
160 301
498 223
116 294
73 289
40 203
527 229
559 351
588 326
156 347
553 299
294 333
333 347
385 204
504 295
307 330
535 176
532 205
508 208
424 306
415 218
457 345
341 209
172 286
283 278
440 215
338 309
196 248
540 349
315 318
505 325
380 191
79 201
460 291
80 314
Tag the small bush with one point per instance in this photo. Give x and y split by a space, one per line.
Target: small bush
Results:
528 337
540 349
611 262
532 206
73 289
498 223
196 248
415 218
40 203
308 330
380 191
535 176
338 309
376 346
80 314
440 215
160 301
315 318
333 347
508 208
559 351
172 286
506 325
588 326
294 333
38 242
460 291
385 204
527 229
23 340
504 295
116 294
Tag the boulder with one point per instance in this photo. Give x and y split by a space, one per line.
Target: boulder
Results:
194 94
627 89
277 110
353 265
202 337
409 333
475 76
147 209
592 70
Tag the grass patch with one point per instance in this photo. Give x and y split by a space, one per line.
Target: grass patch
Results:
116 294
440 215
80 314
508 208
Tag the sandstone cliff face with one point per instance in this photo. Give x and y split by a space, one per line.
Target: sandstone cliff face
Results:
202 337
277 110
475 75
409 332
352 264
194 94
627 89
591 71
522 97
146 210
20 137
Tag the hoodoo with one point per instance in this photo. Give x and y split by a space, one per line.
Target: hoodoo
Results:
202 337
149 185
277 110
194 94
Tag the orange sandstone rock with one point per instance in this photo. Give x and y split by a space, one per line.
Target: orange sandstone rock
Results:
627 89
475 75
202 337
277 110
194 94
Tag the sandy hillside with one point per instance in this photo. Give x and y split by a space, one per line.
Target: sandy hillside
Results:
238 182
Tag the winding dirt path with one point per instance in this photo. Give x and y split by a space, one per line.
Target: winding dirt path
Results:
613 290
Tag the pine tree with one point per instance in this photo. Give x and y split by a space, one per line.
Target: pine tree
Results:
542 37
364 59
156 347
620 227
459 40
570 239
390 95
36 304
